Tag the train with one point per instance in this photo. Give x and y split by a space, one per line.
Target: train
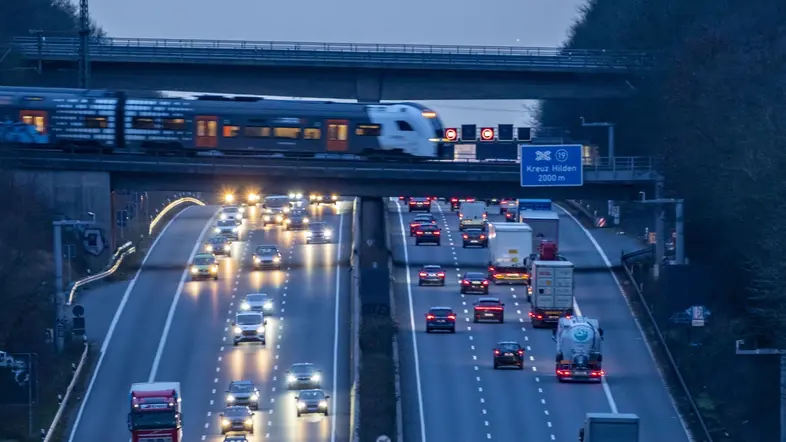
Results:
120 122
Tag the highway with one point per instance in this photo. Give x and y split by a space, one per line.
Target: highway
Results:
174 329
448 383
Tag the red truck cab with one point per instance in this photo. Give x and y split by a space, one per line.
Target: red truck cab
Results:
155 415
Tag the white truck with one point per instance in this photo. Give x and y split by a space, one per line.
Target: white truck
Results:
579 356
472 215
510 248
544 224
552 292
610 427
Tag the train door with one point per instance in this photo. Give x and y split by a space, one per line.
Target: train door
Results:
34 118
206 131
337 135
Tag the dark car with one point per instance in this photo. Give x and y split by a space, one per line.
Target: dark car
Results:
303 375
475 282
489 309
418 204
441 318
455 203
266 257
237 419
511 215
219 245
474 238
318 233
421 220
242 393
431 275
296 220
312 402
427 234
508 354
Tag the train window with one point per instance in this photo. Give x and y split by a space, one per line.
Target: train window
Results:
312 133
286 132
256 132
337 132
143 123
212 128
231 131
404 126
201 128
368 130
92 122
173 124
36 119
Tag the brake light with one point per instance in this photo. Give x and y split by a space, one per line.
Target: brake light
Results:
485 283
453 317
482 236
485 215
422 274
454 200
466 237
418 233
437 232
413 224
521 352
489 308
465 282
496 352
597 373
491 268
430 316
441 274
401 197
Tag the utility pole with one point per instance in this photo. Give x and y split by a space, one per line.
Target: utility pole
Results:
610 127
60 300
84 44
679 243
782 355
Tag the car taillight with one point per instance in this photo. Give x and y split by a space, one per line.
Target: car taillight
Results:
418 233
430 316
466 237
496 352
521 352
482 236
597 373
454 200
401 197
422 274
437 232
465 282
453 317
413 225
441 275
485 283
491 269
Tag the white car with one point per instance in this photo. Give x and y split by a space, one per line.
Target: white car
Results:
257 302
249 327
232 213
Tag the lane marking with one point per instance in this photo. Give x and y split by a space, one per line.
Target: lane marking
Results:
412 325
111 331
173 306
336 326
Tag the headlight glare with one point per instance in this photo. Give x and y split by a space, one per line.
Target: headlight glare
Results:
238 330
245 306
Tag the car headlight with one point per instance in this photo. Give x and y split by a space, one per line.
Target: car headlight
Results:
334 197
279 218
268 305
286 209
291 196
225 422
322 404
254 397
249 421
268 210
312 197
299 196
328 233
287 221
223 216
217 230
209 248
257 260
319 198
315 377
234 229
238 330
214 269
261 329
194 270
305 220
226 247
267 218
230 398
291 378
245 306
276 259
301 405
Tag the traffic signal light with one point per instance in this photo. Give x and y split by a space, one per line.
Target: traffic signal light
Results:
487 134
505 132
451 134
469 132
524 134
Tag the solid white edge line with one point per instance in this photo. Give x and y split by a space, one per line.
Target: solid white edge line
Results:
608 265
412 325
110 332
335 327
171 315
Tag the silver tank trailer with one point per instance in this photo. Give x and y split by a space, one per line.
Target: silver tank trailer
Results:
579 353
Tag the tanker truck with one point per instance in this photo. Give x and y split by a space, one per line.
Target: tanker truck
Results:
579 355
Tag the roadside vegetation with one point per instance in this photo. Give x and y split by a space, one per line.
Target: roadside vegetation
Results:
713 112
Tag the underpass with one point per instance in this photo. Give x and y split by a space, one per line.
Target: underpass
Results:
448 382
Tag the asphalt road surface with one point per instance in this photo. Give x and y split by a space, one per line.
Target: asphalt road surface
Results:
174 329
449 384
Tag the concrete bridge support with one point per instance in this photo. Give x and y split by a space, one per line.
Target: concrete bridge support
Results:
369 87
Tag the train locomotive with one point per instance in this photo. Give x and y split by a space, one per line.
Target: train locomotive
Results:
128 123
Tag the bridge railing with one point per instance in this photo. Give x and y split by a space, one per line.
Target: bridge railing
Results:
54 46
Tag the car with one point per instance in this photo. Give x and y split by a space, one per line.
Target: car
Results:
511 215
303 375
318 198
455 203
236 438
419 204
219 245
431 275
231 213
474 282
508 353
318 233
242 393
296 200
404 198
427 234
249 327
204 266
421 220
488 309
266 257
312 402
252 199
507 204
257 302
474 238
275 209
441 318
237 419
228 229
296 220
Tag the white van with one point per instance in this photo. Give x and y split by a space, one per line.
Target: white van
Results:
472 215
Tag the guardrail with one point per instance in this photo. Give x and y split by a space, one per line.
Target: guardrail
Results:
132 49
114 263
354 408
669 356
48 434
597 221
169 207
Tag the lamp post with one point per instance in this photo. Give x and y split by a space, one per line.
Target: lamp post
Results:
610 127
59 293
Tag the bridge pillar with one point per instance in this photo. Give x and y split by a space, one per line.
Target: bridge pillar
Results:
368 87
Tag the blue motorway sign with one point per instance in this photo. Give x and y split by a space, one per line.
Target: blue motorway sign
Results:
551 165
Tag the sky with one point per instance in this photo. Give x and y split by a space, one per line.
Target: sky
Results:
534 23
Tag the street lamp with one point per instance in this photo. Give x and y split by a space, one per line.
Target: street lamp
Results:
610 126
59 293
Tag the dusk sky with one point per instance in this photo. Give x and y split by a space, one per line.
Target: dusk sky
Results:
510 23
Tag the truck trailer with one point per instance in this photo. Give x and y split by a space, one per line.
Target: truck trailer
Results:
510 247
610 427
579 356
544 224
552 292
